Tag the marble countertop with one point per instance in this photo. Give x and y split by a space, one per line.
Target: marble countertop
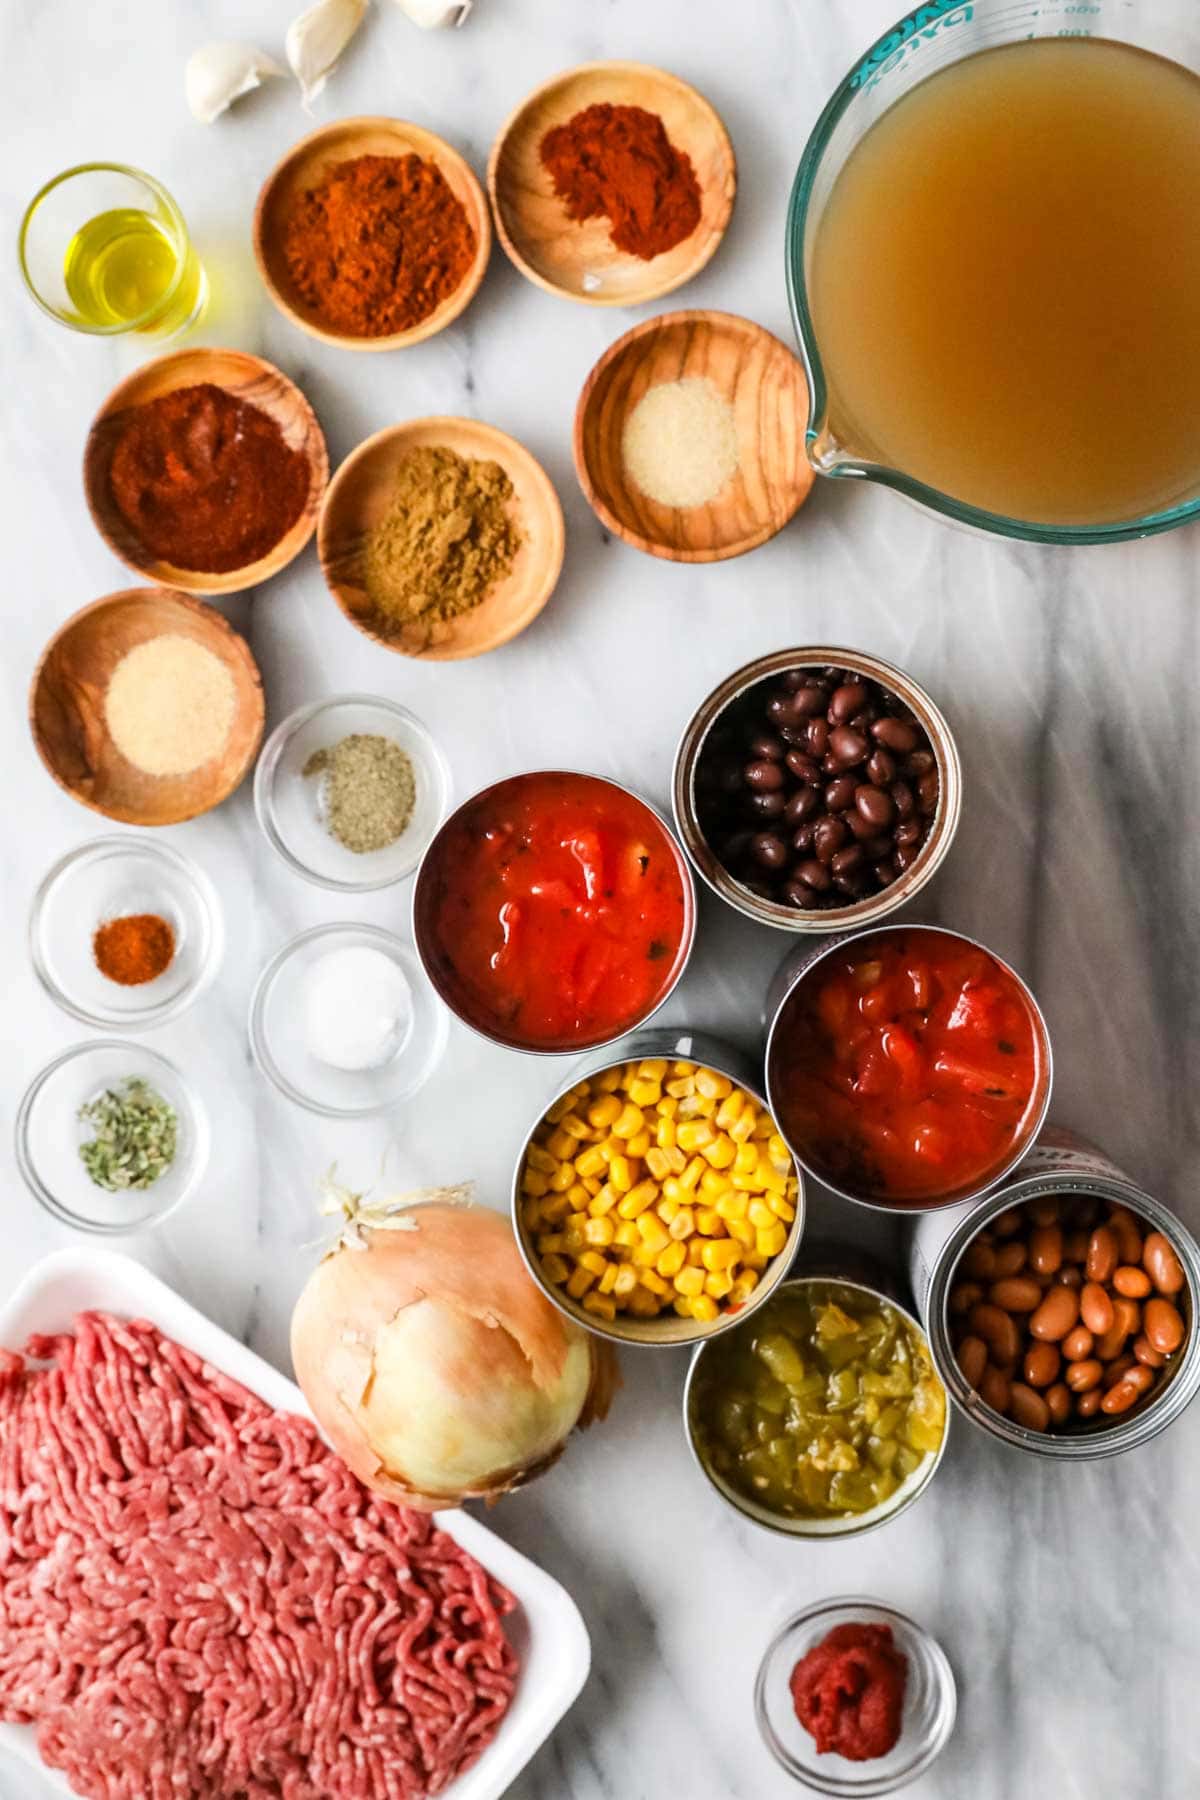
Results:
1065 1597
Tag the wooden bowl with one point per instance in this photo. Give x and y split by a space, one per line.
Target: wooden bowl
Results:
361 493
579 260
66 707
301 169
247 378
765 385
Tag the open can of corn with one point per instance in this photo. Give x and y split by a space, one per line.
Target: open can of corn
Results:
654 1200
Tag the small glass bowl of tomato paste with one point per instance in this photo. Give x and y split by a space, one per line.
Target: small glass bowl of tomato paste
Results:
926 1718
554 911
907 1067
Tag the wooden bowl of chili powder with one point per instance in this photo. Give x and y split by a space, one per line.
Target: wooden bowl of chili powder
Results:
204 471
612 183
372 233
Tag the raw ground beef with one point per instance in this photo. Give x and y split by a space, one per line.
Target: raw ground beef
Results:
198 1601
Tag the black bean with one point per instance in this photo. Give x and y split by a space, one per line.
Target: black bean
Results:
895 734
802 838
910 831
769 851
781 709
845 701
906 804
763 776
829 834
906 855
927 792
885 873
769 803
810 700
875 847
847 746
881 768
815 875
767 746
872 803
854 884
803 803
791 679
797 893
860 828
845 860
803 768
816 737
840 794
921 762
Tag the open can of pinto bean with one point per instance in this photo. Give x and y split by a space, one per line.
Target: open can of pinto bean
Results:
1061 1165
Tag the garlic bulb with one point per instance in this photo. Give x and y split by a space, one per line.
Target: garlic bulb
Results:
218 74
431 15
316 40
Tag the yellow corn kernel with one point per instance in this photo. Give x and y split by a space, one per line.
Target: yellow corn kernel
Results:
695 1106
754 1259
709 1222
666 1108
695 1249
626 1281
620 1175
671 1260
608 1280
713 1183
627 1234
772 1181
720 1254
602 1112
683 1068
718 1284
743 1286
591 1162
690 1281
783 1209
741 1231
745 1159
576 1127
691 1175
534 1182
555 1207
764 1126
653 1068
643 1090
563 1178
771 1242
562 1146
551 1243
601 1305
631 1120
712 1085
760 1215
645 1194
683 1225
592 1259
680 1087
643 1304
720 1153
731 1205
537 1158
638 1145
650 1278
667 1209
653 1232
643 1256
602 1203
683 1307
730 1109
610 1148
779 1153
676 1160
581 1280
560 1109
657 1164
573 1239
742 1129
705 1309
591 1186
555 1269
599 1233
607 1082
664 1134
746 1184
531 1212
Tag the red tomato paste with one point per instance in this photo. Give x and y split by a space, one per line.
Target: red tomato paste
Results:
905 1067
561 911
849 1692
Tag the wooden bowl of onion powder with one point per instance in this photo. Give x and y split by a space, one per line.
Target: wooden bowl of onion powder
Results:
689 436
147 706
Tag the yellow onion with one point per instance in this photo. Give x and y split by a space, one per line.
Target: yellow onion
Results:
433 1362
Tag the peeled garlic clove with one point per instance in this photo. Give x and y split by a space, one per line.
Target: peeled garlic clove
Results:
431 15
218 74
316 40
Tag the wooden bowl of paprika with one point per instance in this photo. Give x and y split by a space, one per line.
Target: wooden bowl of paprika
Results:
204 471
612 183
352 204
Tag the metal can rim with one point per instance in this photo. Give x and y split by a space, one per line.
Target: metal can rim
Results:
785 918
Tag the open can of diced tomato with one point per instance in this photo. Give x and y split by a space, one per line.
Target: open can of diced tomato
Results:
908 1066
1074 1188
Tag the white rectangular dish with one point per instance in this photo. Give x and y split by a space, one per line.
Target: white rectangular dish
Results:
547 1631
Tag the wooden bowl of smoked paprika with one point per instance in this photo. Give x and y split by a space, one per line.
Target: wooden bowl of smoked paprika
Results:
204 471
427 214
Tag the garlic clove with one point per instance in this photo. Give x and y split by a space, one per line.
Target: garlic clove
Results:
218 74
316 40
432 15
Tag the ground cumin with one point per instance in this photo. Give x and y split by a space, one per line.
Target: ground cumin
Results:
618 162
444 542
378 244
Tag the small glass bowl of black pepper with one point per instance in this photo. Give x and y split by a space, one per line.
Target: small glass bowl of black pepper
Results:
816 788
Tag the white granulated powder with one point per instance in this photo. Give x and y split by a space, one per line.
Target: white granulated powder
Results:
680 443
170 705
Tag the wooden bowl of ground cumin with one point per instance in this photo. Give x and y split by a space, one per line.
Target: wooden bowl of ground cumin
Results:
441 538
372 234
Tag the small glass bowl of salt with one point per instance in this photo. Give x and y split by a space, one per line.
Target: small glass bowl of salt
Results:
343 1022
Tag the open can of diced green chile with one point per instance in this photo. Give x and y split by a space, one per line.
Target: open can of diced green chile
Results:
1061 1164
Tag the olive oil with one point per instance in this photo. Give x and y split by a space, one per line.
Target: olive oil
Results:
1005 283
123 268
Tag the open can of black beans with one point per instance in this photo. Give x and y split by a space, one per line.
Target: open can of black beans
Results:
1075 1189
817 787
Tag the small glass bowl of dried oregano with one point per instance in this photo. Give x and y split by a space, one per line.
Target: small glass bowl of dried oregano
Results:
350 791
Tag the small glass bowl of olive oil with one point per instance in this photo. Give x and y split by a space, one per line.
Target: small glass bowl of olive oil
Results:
104 249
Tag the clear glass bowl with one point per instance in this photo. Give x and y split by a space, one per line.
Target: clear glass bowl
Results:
108 878
279 1037
930 1702
49 1133
289 804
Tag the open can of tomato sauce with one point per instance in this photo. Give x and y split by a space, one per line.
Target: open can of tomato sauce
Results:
1073 1224
908 1067
554 911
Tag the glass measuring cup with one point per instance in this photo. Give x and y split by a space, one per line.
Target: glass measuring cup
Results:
931 38
104 249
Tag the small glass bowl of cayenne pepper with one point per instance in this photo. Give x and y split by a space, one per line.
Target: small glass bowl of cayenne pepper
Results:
907 1066
124 932
554 911
854 1698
